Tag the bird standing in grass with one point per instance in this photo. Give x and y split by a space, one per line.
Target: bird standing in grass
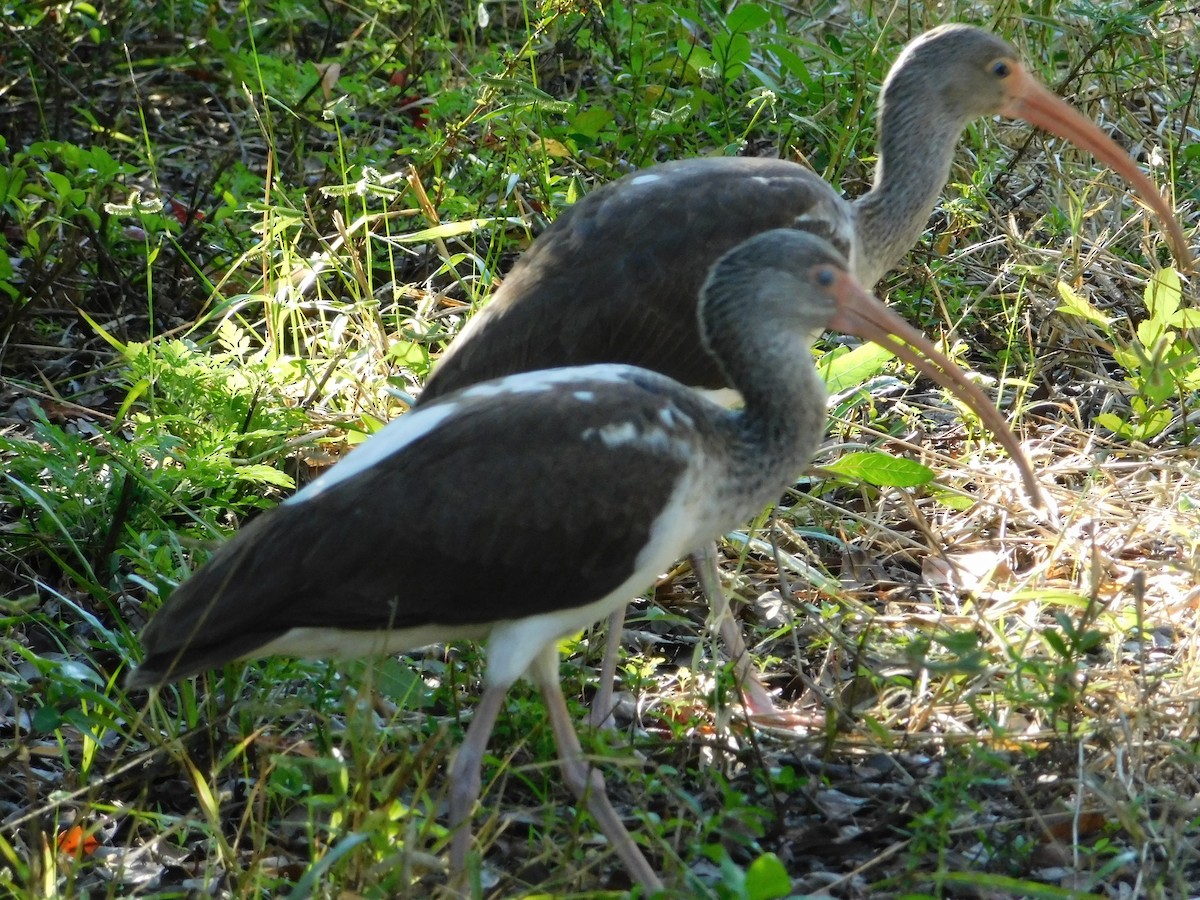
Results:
616 277
532 506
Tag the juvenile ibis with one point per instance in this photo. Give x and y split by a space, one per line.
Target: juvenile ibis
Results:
616 277
540 502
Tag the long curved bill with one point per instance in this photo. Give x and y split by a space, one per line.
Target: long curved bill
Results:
1030 101
860 314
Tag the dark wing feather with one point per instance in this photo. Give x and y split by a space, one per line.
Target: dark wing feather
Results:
617 277
504 510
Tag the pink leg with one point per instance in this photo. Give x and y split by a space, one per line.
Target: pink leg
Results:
585 782
758 699
601 714
465 777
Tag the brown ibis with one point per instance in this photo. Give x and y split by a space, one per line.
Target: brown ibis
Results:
616 277
540 502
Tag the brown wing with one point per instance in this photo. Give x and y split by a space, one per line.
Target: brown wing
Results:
509 508
617 277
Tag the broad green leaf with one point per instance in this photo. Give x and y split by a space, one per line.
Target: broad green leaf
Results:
747 17
1115 424
843 371
882 469
1142 427
767 879
397 681
409 353
1163 294
952 499
1076 305
1129 360
792 62
733 52
60 182
591 121
1186 318
1153 333
1153 422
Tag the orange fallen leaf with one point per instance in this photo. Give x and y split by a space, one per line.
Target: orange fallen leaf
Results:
76 842
1082 826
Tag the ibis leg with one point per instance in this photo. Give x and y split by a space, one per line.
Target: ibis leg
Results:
585 782
758 699
601 715
465 775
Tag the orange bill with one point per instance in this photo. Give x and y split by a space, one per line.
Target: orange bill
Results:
864 316
1030 101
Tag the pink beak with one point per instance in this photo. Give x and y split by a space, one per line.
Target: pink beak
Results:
1030 101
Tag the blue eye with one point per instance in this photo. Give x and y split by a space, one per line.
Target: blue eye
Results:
826 276
1001 69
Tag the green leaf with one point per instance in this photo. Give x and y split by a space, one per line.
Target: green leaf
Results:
747 17
591 121
952 499
1056 642
960 643
260 474
409 353
96 327
732 52
767 879
1115 424
1153 332
1075 305
397 681
60 182
1186 318
1163 294
1006 886
882 469
843 371
47 718
792 63
445 230
1153 423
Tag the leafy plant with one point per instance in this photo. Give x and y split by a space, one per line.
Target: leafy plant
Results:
1158 358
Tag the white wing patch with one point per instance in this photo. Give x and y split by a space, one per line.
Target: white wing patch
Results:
547 379
649 178
389 440
410 427
618 434
631 434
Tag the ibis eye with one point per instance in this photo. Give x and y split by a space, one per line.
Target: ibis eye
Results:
826 276
1001 68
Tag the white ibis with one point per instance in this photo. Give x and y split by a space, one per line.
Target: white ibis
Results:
540 503
616 277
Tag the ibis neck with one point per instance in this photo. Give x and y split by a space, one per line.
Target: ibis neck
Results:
916 148
781 424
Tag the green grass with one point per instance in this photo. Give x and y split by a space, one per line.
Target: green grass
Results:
218 272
